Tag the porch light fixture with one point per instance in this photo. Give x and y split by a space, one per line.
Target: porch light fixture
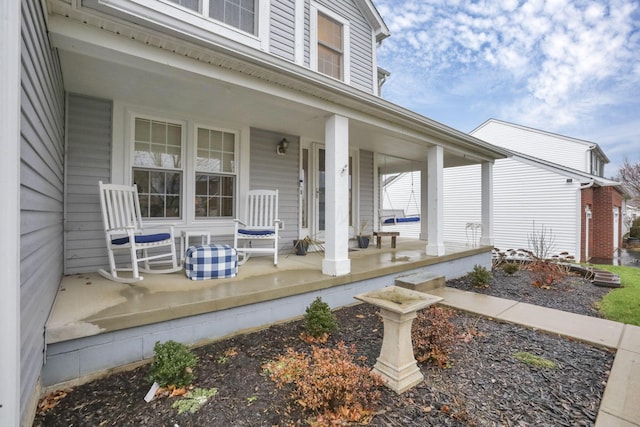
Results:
282 146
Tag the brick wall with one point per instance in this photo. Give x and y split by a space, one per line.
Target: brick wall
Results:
602 201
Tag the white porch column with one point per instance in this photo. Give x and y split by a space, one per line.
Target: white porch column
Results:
10 41
486 238
424 204
336 260
435 206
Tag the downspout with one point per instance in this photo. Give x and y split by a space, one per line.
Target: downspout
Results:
587 214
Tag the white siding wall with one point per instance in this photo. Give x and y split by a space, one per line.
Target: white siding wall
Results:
270 171
462 196
361 44
282 29
522 194
41 191
553 148
89 124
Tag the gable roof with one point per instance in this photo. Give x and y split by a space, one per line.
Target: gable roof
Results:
590 145
374 18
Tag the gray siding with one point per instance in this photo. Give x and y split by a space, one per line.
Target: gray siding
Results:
361 44
270 171
41 191
366 190
88 161
282 37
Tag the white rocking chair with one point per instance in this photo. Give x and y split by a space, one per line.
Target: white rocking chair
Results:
123 232
261 224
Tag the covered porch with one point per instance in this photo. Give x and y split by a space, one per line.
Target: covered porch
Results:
97 325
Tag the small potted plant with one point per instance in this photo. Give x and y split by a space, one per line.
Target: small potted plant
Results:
363 240
301 246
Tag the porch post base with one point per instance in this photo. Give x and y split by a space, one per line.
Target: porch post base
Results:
336 267
435 250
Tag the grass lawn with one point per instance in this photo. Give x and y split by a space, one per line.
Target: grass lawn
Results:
623 304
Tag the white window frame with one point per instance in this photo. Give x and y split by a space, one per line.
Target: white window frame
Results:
193 147
124 151
346 49
172 15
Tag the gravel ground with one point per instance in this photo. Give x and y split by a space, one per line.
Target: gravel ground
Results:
484 384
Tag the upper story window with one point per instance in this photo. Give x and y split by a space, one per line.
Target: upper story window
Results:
243 21
240 14
597 165
329 43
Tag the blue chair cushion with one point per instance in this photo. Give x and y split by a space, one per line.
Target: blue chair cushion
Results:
145 238
405 219
255 232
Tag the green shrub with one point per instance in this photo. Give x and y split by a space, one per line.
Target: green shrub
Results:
319 319
433 335
480 276
510 268
328 383
173 364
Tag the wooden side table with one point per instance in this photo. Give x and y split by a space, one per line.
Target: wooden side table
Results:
380 234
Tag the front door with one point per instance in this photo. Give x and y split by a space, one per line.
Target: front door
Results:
313 191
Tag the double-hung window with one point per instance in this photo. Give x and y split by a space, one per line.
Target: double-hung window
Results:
157 167
162 175
330 43
240 14
215 173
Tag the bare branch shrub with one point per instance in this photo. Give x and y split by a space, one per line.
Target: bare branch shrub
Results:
541 241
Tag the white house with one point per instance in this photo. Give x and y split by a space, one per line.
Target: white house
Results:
550 181
96 89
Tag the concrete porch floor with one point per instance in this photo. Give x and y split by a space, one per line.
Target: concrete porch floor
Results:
88 305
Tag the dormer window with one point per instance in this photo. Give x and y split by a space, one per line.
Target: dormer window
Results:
329 43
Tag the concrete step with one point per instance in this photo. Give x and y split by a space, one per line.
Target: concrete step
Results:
421 282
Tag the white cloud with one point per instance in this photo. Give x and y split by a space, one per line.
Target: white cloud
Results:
552 63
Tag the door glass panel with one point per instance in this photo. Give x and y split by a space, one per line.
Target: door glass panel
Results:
304 188
321 189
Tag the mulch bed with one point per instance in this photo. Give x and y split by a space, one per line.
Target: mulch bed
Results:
484 384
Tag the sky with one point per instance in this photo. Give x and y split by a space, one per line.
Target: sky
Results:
568 67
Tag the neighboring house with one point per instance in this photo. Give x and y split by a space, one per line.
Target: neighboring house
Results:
551 182
198 94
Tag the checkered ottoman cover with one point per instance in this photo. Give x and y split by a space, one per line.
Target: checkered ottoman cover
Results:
210 261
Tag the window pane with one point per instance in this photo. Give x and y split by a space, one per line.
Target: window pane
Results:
216 151
214 195
189 4
329 62
237 13
165 149
159 193
329 32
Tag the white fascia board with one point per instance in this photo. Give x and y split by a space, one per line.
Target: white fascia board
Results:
374 18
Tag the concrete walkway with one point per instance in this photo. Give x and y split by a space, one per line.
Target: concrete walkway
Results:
620 406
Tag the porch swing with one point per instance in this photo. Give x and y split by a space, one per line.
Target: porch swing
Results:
398 216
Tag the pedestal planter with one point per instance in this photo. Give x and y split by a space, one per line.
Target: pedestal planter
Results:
398 306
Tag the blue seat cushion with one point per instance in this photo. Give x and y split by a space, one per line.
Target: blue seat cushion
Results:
404 219
255 232
145 238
